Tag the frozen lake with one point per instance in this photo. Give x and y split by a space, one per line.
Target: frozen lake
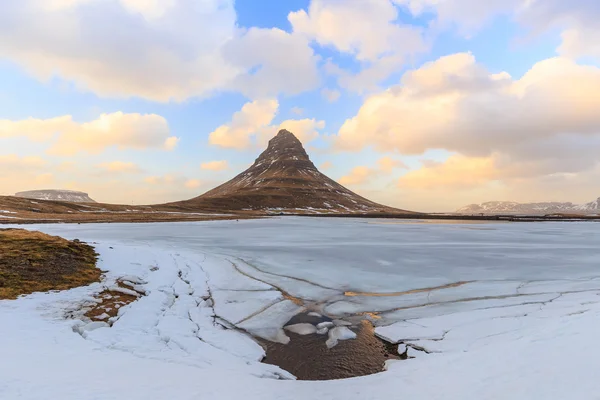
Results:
377 256
469 294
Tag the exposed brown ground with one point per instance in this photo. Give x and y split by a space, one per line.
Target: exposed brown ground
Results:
111 302
36 262
308 358
24 211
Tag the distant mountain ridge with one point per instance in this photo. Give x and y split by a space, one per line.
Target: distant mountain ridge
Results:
284 179
71 196
511 207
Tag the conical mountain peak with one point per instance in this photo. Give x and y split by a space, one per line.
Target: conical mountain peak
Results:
284 147
284 179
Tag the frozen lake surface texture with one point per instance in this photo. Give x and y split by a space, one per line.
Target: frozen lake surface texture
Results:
487 310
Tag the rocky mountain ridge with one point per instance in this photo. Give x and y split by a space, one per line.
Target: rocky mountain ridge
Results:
511 207
71 196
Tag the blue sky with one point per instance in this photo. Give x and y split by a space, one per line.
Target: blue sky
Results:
504 41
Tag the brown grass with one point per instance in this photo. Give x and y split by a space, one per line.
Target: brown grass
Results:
111 302
36 262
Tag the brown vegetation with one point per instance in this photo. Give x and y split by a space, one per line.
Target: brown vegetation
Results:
111 301
36 262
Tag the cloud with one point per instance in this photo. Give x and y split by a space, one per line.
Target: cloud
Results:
297 110
215 165
375 31
253 125
165 179
159 50
192 183
577 20
357 176
120 166
331 95
457 172
38 130
387 164
252 117
546 118
377 40
171 142
21 173
467 15
326 166
14 162
361 174
305 130
125 131
276 62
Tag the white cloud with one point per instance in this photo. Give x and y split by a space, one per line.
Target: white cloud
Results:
368 30
124 131
159 50
374 30
215 165
244 124
501 130
253 125
13 162
331 95
305 130
171 142
326 166
38 130
388 164
362 174
456 104
468 15
357 176
19 173
297 110
193 183
119 166
275 61
577 19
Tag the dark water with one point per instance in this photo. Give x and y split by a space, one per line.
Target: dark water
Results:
308 358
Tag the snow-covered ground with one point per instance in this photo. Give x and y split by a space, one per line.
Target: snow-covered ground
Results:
503 310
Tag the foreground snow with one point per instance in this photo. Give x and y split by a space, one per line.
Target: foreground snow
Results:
522 323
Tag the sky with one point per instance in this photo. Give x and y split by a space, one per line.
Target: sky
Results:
426 105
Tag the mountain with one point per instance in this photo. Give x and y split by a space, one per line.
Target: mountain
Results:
510 207
71 196
283 179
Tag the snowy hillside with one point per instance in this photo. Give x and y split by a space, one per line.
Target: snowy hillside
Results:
511 207
57 195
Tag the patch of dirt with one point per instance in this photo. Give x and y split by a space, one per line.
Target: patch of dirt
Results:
111 302
308 358
36 262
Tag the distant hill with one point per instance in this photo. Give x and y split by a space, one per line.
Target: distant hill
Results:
511 207
283 179
71 196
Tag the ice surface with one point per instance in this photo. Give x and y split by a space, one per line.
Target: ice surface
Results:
339 333
302 329
523 327
268 323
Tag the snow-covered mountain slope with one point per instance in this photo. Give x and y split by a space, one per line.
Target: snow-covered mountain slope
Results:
57 195
284 179
511 207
